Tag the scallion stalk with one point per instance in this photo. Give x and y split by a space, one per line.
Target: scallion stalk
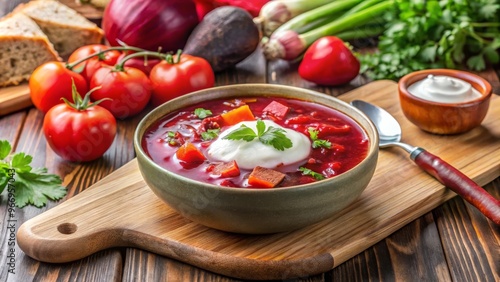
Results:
275 13
289 44
315 14
361 32
361 6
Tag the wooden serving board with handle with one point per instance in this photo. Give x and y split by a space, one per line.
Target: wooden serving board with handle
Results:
121 210
14 98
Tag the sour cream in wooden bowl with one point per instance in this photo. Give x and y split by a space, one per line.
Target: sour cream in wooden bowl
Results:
444 101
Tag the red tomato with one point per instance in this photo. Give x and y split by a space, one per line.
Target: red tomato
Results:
328 61
79 135
173 79
129 90
93 64
140 63
52 81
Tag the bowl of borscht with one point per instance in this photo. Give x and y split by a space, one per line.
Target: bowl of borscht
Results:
256 158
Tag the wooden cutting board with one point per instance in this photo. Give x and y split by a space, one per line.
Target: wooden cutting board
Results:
14 98
121 210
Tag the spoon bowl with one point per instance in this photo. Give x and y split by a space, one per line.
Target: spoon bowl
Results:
388 127
390 133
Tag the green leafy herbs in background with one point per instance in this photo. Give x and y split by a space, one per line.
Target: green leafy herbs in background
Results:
436 34
33 186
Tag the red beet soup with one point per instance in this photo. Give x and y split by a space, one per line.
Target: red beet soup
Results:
181 141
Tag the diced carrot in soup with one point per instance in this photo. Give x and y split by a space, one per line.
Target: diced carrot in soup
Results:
265 177
189 153
237 115
230 169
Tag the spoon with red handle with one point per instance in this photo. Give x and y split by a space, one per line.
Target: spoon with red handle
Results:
389 132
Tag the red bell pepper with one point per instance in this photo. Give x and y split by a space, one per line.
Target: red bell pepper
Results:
328 61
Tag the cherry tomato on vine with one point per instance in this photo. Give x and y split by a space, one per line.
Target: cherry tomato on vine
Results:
79 131
129 90
90 66
142 63
179 75
52 81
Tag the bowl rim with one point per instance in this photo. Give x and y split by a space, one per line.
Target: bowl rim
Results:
404 83
372 147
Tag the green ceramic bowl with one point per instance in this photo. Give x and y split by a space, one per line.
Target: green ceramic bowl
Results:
257 211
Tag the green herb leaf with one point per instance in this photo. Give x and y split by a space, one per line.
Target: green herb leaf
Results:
318 143
202 113
36 187
435 34
306 171
276 137
241 133
5 149
272 136
210 134
21 162
32 186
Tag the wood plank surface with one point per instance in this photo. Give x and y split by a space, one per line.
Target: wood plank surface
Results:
398 194
470 244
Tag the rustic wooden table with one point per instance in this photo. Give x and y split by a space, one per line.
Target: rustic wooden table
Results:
453 242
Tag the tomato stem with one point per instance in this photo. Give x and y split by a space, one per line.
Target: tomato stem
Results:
120 66
101 53
80 104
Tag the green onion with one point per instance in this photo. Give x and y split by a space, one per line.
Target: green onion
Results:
275 13
289 44
315 14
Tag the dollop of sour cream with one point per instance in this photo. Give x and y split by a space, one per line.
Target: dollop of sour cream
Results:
254 153
444 89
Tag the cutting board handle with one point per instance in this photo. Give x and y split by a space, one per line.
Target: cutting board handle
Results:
57 240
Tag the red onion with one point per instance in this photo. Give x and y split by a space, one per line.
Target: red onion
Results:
150 24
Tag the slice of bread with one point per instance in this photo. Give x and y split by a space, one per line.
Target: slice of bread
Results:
23 47
96 3
64 27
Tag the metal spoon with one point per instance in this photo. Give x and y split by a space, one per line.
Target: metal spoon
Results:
389 132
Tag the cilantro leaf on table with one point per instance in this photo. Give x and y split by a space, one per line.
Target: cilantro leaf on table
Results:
33 186
271 136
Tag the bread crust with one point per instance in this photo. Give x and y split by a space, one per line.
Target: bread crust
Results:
23 47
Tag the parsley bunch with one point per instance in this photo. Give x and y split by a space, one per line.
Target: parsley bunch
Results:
436 34
31 186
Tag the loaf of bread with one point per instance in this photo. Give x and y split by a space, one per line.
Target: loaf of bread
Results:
23 47
64 27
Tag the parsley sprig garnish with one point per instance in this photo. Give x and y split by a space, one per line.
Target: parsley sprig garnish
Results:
306 171
202 113
271 136
317 143
31 186
210 134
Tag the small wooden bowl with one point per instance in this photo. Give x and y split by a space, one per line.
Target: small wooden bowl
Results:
444 118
